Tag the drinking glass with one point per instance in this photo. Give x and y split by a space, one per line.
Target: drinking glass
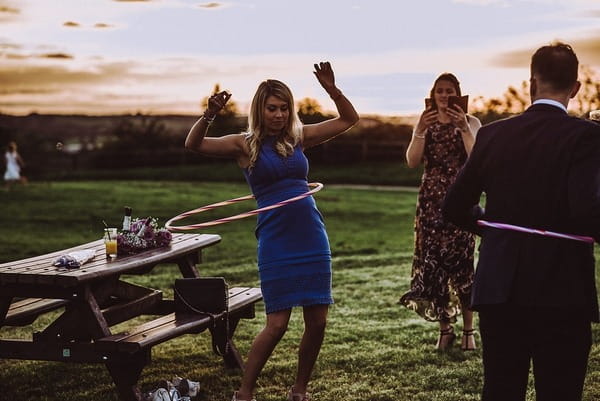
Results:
110 242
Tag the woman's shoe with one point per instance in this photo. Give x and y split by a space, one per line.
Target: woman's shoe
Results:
297 396
234 398
468 340
446 338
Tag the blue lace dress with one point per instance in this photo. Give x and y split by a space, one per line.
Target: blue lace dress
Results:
294 258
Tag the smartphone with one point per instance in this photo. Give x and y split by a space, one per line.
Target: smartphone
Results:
429 104
462 101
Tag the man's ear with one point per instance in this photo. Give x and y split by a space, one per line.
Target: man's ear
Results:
575 89
532 87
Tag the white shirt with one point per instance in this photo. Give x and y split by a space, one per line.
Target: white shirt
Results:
552 103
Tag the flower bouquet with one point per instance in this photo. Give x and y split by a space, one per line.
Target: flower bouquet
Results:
144 234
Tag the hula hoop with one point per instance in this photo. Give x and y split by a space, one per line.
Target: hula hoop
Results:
512 227
169 224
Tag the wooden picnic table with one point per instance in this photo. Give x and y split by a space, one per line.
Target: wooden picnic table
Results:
94 298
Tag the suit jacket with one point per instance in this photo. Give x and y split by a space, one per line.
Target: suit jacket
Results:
541 170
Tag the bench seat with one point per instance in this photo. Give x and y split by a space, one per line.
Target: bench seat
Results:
25 311
241 305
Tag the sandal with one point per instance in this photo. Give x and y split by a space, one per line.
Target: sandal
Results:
234 398
297 396
465 340
449 332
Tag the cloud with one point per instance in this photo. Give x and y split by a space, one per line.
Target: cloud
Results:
9 13
71 24
210 5
587 49
102 25
9 10
133 1
56 56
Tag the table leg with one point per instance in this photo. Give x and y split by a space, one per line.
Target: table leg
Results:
187 265
125 371
4 307
225 344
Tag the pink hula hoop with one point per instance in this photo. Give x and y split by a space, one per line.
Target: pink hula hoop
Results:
317 186
512 227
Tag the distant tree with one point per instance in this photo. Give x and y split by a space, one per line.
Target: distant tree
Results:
229 111
588 97
310 111
515 100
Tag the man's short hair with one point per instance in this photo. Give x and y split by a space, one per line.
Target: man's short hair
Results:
556 65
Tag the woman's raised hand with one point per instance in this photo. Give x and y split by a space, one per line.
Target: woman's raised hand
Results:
216 102
428 117
458 117
325 76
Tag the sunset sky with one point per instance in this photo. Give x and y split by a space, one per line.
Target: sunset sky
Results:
164 56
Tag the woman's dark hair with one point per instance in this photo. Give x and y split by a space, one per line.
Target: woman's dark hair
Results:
556 65
444 77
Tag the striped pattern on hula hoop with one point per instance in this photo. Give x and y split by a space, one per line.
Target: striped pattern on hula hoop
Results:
512 227
317 186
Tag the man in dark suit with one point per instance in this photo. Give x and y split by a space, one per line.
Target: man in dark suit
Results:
536 295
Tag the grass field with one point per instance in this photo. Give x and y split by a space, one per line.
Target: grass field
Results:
374 349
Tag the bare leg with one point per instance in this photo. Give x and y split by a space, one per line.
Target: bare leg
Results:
447 336
468 340
262 347
315 320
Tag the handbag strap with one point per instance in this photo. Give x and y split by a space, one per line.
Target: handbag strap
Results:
214 317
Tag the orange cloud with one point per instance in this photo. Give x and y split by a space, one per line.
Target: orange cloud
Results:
71 24
56 56
587 49
210 5
9 10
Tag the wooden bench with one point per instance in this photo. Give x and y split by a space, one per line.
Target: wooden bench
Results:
164 328
25 311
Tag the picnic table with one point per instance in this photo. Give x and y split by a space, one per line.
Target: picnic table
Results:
95 297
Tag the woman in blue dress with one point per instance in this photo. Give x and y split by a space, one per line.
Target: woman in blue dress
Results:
294 259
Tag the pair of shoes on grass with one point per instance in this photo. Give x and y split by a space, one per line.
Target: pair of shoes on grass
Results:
447 338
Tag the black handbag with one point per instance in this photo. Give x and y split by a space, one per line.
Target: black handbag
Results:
206 296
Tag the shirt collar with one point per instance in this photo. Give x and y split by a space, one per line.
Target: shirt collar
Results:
551 102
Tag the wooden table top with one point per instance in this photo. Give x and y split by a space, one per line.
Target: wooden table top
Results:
39 269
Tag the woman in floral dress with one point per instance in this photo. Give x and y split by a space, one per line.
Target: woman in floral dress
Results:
442 272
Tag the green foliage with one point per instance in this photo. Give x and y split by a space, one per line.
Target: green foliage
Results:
374 349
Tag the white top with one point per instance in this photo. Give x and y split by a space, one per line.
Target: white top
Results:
13 170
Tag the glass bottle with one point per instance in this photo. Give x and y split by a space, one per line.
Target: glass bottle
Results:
127 219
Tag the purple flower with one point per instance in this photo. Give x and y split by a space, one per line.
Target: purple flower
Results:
163 238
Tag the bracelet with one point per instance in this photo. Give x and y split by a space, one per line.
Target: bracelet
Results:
415 135
338 95
209 120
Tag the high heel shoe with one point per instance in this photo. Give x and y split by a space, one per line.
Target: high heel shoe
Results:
443 343
467 335
234 398
297 396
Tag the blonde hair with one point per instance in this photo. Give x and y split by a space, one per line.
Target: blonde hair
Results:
292 133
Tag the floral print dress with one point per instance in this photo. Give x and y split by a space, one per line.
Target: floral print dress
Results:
442 271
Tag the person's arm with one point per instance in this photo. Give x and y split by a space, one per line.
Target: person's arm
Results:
584 185
314 134
231 146
461 203
20 161
466 124
416 147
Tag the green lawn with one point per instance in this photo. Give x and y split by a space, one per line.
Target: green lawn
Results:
374 349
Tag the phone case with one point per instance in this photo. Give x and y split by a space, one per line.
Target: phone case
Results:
462 101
